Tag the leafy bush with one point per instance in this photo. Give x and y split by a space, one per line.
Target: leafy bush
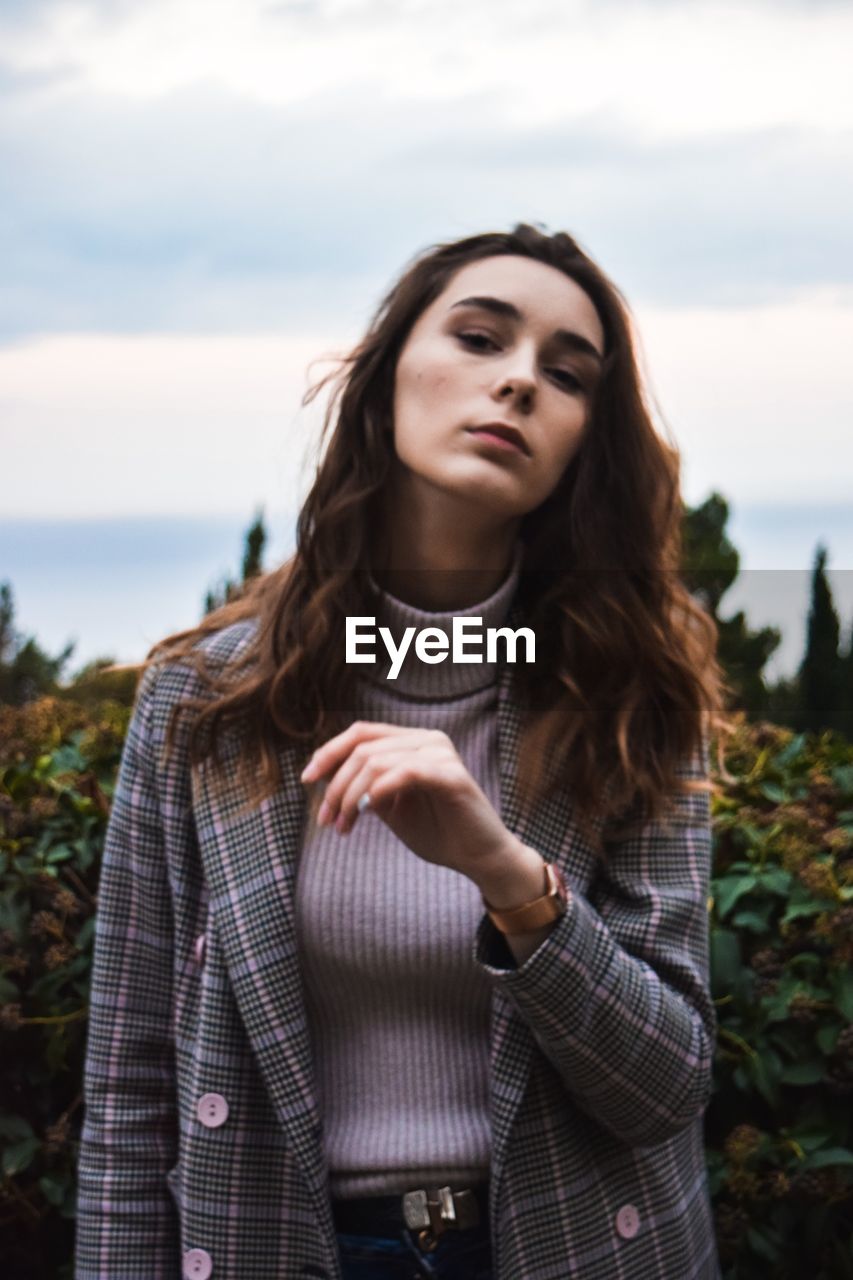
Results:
779 1124
56 776
778 1130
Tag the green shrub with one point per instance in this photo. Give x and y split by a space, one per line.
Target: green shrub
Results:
57 768
778 1128
778 1131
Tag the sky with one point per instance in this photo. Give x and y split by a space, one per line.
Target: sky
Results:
200 199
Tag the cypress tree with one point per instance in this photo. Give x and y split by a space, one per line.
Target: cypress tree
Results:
709 566
820 670
847 689
709 561
26 671
254 549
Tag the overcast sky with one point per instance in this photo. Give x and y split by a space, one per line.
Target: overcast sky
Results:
200 197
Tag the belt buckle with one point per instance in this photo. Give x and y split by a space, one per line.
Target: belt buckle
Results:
432 1217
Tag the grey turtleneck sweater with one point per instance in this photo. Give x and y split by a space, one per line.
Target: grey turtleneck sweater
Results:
398 1010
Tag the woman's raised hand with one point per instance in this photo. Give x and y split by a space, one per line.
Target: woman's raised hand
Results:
420 788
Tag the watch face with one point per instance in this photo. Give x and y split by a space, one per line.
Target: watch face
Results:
561 901
560 879
553 903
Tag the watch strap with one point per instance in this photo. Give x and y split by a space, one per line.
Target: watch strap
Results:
543 910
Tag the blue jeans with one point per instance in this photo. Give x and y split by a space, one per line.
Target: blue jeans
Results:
464 1255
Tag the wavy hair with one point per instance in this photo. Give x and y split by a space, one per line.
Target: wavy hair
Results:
626 686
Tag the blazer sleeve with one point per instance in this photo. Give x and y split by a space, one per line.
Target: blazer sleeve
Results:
618 995
126 1223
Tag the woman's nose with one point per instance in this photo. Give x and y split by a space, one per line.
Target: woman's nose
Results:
517 380
519 387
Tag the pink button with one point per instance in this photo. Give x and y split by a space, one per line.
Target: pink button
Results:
199 948
627 1222
212 1110
198 1265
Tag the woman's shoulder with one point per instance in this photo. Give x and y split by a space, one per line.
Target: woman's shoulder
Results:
228 643
170 678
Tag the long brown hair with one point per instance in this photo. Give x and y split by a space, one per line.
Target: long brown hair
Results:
626 685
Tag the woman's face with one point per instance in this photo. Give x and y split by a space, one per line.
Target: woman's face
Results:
509 342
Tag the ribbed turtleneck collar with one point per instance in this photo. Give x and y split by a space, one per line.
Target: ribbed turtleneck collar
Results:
445 679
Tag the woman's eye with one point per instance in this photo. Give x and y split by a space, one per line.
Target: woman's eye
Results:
568 380
482 342
477 340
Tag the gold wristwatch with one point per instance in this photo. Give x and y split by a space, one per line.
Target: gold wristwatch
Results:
550 906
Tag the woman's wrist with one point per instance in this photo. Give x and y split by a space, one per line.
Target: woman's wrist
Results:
511 879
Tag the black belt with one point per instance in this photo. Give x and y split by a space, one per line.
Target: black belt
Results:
428 1212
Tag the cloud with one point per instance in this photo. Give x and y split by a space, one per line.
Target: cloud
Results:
202 210
757 399
723 220
670 69
16 83
29 13
806 7
158 425
272 165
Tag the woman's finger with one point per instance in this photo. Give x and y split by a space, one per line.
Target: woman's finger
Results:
408 775
338 748
431 764
359 755
363 784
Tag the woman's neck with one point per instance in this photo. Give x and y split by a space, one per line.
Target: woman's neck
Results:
441 590
440 568
434 553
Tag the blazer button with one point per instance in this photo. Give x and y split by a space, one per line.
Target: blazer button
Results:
199 948
627 1222
212 1110
198 1265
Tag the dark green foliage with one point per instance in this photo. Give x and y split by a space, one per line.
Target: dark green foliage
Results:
743 655
821 669
782 705
778 1129
57 768
709 567
820 695
710 560
26 671
253 550
101 680
846 665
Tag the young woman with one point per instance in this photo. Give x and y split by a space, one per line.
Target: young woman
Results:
401 966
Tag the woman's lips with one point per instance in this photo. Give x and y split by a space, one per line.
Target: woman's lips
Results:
492 438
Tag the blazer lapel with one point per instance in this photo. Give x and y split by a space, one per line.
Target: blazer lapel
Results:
512 1040
250 864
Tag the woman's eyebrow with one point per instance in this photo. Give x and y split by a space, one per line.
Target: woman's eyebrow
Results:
500 307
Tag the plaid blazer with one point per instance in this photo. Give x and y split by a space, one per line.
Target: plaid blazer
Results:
202 1152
